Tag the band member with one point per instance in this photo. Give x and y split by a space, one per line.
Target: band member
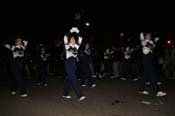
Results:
17 66
85 61
71 48
42 62
149 72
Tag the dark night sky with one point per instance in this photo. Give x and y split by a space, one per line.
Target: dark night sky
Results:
37 16
45 17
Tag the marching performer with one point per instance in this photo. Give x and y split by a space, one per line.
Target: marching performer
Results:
17 66
149 72
71 48
42 62
85 61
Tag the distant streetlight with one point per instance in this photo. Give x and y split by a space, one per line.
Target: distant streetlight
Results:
169 42
121 34
87 24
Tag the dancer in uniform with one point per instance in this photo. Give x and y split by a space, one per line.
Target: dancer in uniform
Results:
71 48
149 72
42 60
17 66
85 61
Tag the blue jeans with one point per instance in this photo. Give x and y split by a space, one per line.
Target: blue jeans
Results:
70 68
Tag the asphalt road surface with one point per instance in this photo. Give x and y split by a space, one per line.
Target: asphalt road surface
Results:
111 97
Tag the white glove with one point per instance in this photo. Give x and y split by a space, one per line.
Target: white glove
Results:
25 42
76 30
65 39
72 30
156 39
127 57
141 36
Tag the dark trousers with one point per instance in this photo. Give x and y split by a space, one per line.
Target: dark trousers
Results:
149 73
58 68
121 69
86 73
17 77
130 70
126 69
42 72
108 67
97 67
71 78
135 70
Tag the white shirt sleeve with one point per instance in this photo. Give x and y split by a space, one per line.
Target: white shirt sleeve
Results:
25 44
8 46
44 59
156 39
67 47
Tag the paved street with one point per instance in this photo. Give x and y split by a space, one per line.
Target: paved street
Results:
111 97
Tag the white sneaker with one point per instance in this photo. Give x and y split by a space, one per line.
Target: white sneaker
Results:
13 93
114 76
38 84
45 85
99 75
83 85
94 76
161 93
123 79
67 97
159 83
81 98
144 92
93 85
135 79
23 95
148 83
